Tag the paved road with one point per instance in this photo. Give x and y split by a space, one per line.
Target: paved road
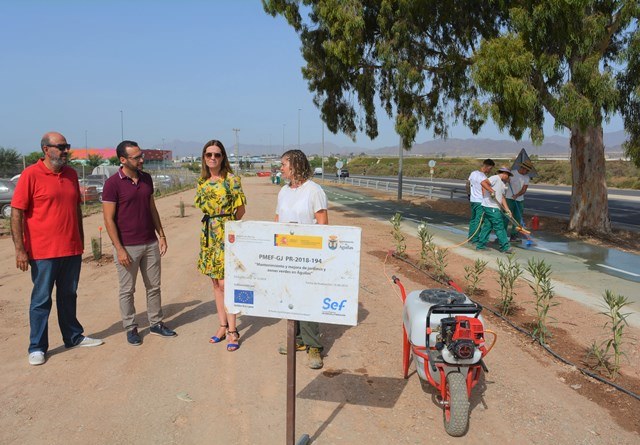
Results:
624 205
582 271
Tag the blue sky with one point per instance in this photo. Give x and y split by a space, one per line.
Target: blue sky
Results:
178 70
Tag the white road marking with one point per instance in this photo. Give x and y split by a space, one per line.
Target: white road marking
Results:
550 251
618 270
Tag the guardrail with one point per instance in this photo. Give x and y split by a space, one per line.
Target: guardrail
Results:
451 191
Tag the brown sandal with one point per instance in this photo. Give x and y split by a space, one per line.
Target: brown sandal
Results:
236 337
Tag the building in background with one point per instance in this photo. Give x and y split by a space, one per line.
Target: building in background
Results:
154 158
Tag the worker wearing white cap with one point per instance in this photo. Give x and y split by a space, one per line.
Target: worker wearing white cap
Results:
516 189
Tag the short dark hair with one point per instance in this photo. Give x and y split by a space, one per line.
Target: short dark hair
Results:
489 162
121 149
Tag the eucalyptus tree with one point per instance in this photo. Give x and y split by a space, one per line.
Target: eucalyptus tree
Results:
435 63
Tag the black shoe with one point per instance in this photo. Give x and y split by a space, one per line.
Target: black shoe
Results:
133 337
161 330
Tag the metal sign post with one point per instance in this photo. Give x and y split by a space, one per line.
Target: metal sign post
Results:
295 272
291 387
432 164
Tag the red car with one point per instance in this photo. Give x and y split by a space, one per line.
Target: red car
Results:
89 193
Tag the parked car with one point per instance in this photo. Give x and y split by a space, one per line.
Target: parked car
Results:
342 173
89 193
161 182
97 183
317 171
15 178
6 194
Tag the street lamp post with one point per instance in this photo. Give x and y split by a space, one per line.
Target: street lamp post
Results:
86 152
236 130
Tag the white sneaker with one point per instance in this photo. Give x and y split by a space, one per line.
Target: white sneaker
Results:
89 342
36 358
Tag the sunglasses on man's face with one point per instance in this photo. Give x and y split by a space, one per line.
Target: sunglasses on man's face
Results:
61 147
209 155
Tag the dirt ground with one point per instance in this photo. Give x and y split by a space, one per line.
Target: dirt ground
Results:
187 391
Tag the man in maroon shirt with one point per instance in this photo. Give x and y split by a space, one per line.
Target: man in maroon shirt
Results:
132 220
46 223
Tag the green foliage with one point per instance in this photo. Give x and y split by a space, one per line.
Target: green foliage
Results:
10 162
426 241
472 275
431 64
114 160
33 157
94 160
430 255
543 293
508 272
616 323
96 247
398 236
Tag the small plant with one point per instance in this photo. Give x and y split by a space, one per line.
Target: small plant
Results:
543 292
616 323
472 275
426 241
398 236
440 262
96 248
508 272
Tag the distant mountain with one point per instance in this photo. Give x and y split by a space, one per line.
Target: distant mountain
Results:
553 145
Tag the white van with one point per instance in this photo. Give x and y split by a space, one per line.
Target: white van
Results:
317 171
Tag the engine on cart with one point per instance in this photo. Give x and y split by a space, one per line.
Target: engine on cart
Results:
445 321
461 336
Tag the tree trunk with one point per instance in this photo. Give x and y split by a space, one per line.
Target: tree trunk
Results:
589 200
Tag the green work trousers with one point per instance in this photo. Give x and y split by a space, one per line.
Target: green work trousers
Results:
493 221
308 334
474 224
517 211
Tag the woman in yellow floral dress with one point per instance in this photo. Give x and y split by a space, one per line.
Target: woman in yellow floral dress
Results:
220 197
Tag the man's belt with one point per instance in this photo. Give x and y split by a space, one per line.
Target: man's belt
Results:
205 219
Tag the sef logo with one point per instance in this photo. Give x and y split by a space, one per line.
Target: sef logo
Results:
333 305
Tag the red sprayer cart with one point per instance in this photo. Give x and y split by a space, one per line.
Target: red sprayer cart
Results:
444 333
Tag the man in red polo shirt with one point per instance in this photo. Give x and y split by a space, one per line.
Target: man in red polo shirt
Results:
46 223
132 220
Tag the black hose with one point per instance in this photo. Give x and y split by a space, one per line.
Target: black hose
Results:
528 334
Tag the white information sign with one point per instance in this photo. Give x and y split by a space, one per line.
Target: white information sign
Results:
304 272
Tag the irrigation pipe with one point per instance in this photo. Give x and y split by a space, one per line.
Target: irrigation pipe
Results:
597 377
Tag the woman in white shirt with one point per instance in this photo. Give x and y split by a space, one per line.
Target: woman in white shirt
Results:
302 201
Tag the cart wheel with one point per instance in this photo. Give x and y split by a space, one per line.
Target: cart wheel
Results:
456 408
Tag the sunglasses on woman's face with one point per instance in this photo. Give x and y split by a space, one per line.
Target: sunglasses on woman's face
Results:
209 155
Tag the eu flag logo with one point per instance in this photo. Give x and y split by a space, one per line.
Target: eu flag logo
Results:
241 296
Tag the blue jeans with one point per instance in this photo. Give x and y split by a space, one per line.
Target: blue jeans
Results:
64 272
